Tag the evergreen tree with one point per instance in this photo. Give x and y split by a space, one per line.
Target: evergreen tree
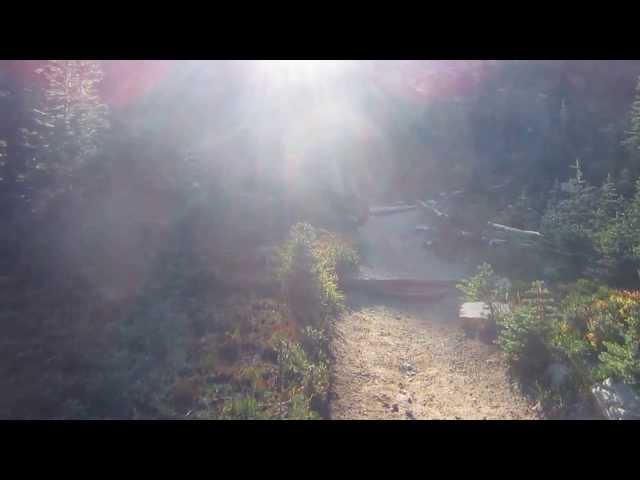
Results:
631 226
625 183
578 180
523 214
570 222
610 203
632 140
525 331
69 119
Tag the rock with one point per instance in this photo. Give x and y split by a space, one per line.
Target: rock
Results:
474 310
402 398
476 317
617 401
408 369
558 374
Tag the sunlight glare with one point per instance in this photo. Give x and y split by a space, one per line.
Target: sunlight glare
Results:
299 72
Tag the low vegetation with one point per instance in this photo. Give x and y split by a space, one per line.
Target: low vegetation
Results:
587 327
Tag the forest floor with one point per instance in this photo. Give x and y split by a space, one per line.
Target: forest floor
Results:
400 360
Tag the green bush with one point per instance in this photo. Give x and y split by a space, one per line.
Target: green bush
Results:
568 224
524 332
614 331
570 331
484 286
309 262
242 408
300 409
599 333
296 373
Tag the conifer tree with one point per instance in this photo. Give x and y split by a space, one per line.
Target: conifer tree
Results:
632 140
69 118
610 203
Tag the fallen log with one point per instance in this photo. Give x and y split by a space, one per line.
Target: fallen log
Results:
377 211
513 230
433 210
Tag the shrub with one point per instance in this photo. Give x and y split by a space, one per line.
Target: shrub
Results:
315 342
569 332
599 332
615 332
524 332
296 371
300 409
485 286
309 262
242 408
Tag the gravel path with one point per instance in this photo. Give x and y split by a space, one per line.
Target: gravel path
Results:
396 360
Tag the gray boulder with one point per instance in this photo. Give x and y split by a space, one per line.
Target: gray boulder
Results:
617 401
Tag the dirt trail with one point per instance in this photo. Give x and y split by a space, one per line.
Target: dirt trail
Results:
396 360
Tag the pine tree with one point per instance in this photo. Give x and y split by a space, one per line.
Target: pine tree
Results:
605 233
539 299
525 331
631 225
69 117
578 180
554 193
523 214
619 240
625 183
569 222
632 140
610 203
